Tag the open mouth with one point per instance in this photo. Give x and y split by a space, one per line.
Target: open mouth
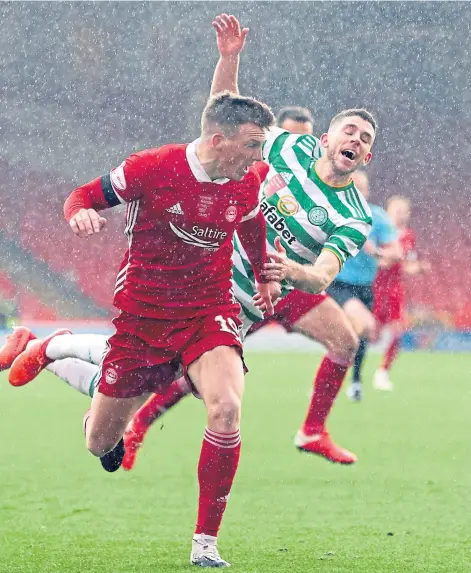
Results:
349 154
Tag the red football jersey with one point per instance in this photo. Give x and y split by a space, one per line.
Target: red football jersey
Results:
391 279
179 226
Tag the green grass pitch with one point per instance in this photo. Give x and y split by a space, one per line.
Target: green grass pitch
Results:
405 507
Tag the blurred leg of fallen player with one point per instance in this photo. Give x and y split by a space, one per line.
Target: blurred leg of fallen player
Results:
75 359
72 357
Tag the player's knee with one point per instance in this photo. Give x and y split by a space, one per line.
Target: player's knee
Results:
345 345
366 328
99 445
349 345
224 414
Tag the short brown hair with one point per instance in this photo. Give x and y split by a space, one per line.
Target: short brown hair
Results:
295 113
360 112
230 111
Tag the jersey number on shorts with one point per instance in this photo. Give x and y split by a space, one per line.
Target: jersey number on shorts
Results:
228 325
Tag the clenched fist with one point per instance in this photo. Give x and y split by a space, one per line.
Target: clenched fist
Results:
86 222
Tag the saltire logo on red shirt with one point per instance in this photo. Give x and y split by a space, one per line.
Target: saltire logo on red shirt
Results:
190 239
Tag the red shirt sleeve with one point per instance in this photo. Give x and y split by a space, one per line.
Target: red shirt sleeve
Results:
125 183
130 180
253 236
252 231
88 196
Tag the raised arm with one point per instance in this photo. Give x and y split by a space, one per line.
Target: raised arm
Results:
230 41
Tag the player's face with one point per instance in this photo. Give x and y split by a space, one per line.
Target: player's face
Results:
299 127
399 211
241 150
348 143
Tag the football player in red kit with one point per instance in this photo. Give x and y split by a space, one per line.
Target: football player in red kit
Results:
173 289
389 291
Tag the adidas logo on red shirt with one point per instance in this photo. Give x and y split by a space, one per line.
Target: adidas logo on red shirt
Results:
175 209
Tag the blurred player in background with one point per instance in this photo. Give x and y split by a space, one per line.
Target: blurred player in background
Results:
353 289
389 290
295 119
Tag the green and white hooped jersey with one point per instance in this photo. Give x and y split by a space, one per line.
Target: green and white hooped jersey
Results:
307 214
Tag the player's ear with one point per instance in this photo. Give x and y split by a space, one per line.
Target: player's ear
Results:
324 139
367 158
217 140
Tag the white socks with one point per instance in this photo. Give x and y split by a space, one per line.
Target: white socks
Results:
76 373
87 347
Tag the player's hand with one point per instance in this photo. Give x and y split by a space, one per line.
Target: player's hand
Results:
280 267
87 222
273 289
230 37
267 294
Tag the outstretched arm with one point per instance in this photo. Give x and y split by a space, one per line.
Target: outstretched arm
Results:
308 278
230 41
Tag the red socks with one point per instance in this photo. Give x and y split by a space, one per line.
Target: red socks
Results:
218 462
328 382
391 353
217 466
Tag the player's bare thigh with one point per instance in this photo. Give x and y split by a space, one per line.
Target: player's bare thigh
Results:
218 375
362 320
108 420
329 325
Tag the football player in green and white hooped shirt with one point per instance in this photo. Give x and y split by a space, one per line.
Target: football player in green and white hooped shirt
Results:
316 219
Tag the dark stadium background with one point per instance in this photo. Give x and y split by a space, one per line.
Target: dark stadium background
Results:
85 84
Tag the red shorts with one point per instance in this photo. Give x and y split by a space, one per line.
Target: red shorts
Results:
146 354
389 305
290 309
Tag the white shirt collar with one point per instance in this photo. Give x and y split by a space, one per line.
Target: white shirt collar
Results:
197 169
